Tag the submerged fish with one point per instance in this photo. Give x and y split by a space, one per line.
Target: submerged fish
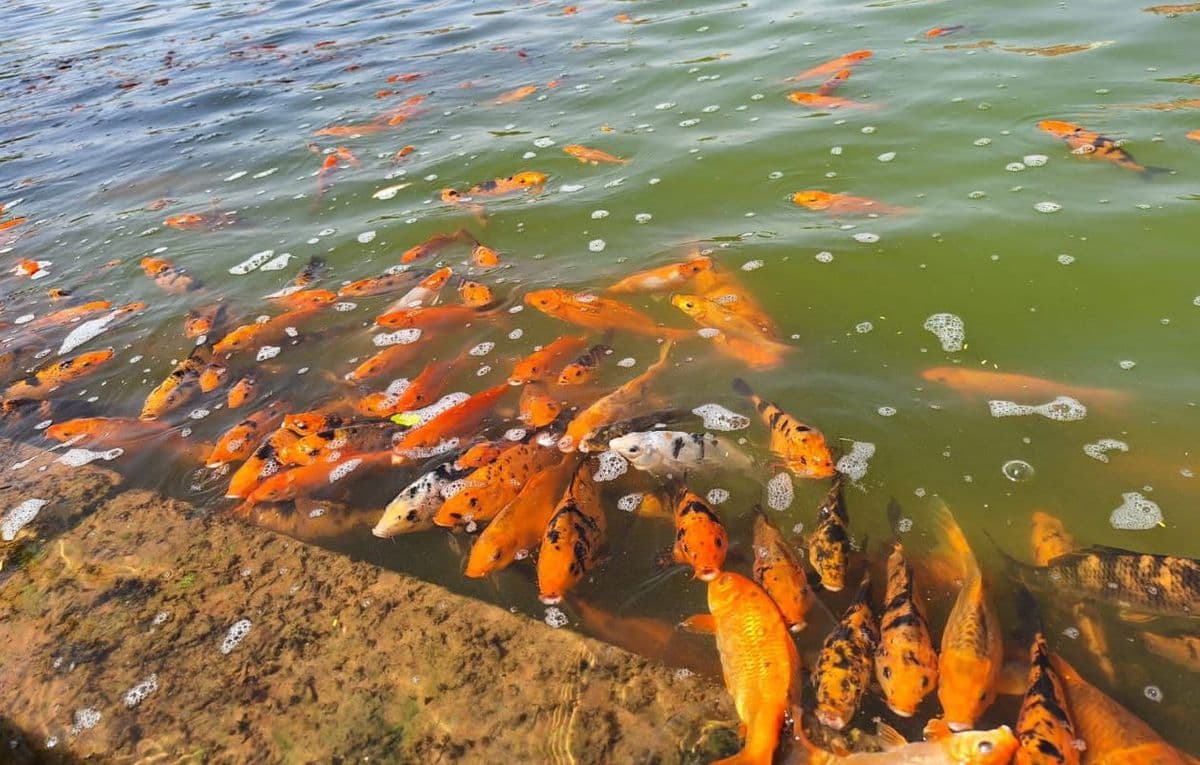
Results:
843 669
178 388
527 181
540 364
1087 143
664 451
831 67
986 382
574 538
801 447
171 279
778 571
1182 648
976 747
615 406
41 383
818 101
594 156
843 204
595 312
1044 728
663 278
700 538
433 245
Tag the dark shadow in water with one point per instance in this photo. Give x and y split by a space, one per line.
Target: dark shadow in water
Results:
16 748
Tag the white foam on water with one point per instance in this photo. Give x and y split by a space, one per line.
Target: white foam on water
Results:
16 518
717 496
780 492
366 237
949 329
596 245
1099 450
627 362
752 265
252 263
278 263
448 401
1035 160
344 307
1136 513
235 176
612 465
866 237
267 352
555 617
265 173
138 693
514 434
390 191
482 349
88 330
854 463
1047 207
81 457
235 635
85 719
630 502
399 337
717 417
344 469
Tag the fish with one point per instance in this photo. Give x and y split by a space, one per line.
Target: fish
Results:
424 293
304 423
665 451
35 269
428 317
573 540
178 388
12 223
287 485
358 438
974 747
1172 10
759 662
412 510
307 301
89 329
593 156
971 652
584 367
906 664
834 83
818 101
663 278
987 382
483 256
475 294
1044 727
830 67
843 668
723 289
843 204
520 525
700 538
455 422
594 312
211 376
262 463
513 96
349 131
758 355
186 221
42 382
650 636
200 322
489 488
403 152
433 245
801 447
171 279
529 181
708 313
243 391
1061 49
829 543
1194 135
1113 735
239 442
778 571
942 31
538 408
615 406
377 285
383 362
540 364
1181 648
483 453
1049 538
648 421
421 391
105 430
248 336
69 315
1084 142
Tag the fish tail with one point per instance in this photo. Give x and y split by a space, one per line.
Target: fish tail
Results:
863 596
1031 615
952 535
893 516
1149 172
742 388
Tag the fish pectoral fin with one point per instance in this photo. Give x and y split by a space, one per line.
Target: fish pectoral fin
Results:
889 737
700 624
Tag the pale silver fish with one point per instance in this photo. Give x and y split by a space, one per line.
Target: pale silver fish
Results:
666 450
414 507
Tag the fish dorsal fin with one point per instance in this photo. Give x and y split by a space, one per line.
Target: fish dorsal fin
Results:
889 738
1100 550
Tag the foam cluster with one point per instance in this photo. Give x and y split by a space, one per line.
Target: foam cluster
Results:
81 457
1062 409
1099 450
344 469
854 463
236 634
717 496
780 492
949 329
630 502
138 693
555 617
1136 513
85 719
717 417
399 337
16 518
612 465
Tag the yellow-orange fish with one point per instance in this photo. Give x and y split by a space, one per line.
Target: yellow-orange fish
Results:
663 278
700 538
573 540
588 155
831 67
778 571
843 204
46 380
800 446
594 312
613 407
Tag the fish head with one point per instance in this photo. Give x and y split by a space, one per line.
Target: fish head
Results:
692 305
529 179
573 374
1048 538
981 747
700 538
489 553
695 266
634 447
812 199
906 676
830 718
410 510
304 422
725 590
154 266
1058 128
437 279
965 688
65 431
92 358
545 300
484 256
475 294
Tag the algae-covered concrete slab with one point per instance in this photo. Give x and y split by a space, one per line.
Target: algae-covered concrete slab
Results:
114 619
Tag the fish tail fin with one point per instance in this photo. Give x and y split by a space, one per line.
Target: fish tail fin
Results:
864 588
1150 172
953 537
1031 624
742 388
893 516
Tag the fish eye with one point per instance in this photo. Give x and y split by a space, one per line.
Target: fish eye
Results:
634 449
984 747
887 673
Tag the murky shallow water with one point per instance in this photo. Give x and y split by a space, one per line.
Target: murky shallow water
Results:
107 109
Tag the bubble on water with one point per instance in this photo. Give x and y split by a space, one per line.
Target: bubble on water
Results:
689 123
449 401
887 156
775 175
199 414
824 257
16 518
1066 260
1127 364
267 352
1035 160
949 329
1062 409
1047 207
708 333
752 265
630 502
1153 692
24 318
570 188
597 245
983 141
864 327
160 618
1071 633
514 434
1015 167
88 330
138 693
344 469
977 195
866 237
543 142
717 417
1136 513
836 151
1099 450
235 635
643 218
399 337
344 307
627 362
886 411
612 465
717 496
904 525
235 176
1017 471
81 457
780 492
85 719
868 129
482 349
251 263
599 214
516 334
278 263
665 105
854 463
555 617
366 237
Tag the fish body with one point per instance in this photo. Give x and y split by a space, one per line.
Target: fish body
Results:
615 406
759 355
433 245
263 463
843 669
829 544
843 204
540 364
211 376
1182 648
528 181
178 388
475 294
1044 727
424 293
519 94
46 380
778 571
168 277
483 256
354 439
708 313
413 508
296 482
834 66
1084 142
243 392
588 155
349 131
665 451
906 664
584 367
482 454
700 538
521 524
383 362
239 442
455 422
104 430
573 540
758 660
489 488
985 382
973 747
801 447
377 285
421 391
834 83
1049 538
202 321
818 101
595 312
70 315
663 278
538 408
428 317
942 31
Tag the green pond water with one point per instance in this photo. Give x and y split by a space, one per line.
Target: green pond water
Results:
109 107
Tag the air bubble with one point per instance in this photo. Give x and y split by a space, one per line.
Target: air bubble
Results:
827 257
780 492
717 496
399 337
555 617
599 214
1035 160
643 218
85 719
717 417
1015 167
1047 207
1017 471
482 349
866 237
1136 513
1153 692
949 329
267 352
854 463
597 245
752 265
886 411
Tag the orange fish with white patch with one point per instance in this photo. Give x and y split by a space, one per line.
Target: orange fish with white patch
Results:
489 488
425 293
709 313
801 447
700 538
831 67
843 669
780 573
594 312
588 155
167 276
818 101
574 539
540 364
988 382
262 463
613 407
421 391
239 442
41 383
1087 143
455 422
843 204
529 181
663 278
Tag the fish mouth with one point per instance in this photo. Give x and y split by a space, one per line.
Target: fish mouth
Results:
958 727
707 574
832 589
901 712
380 532
553 599
830 720
798 627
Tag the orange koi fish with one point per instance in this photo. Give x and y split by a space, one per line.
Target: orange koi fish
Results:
584 367
455 422
905 662
58 293
663 278
421 391
484 257
595 312
433 245
615 406
402 153
724 290
833 83
1087 143
976 747
843 668
425 292
519 94
539 365
167 276
843 204
200 322
942 31
1194 135
700 538
349 131
196 221
520 525
650 636
239 442
972 652
758 660
31 268
12 223
315 421
829 544
384 362
211 376
831 67
801 447
537 407
104 430
301 481
330 444
376 285
818 101
70 315
574 538
986 382
756 354
243 391
482 454
1044 728
307 300
262 463
708 313
1181 648
179 386
780 573
1113 734
489 488
428 318
46 380
475 294
594 156
528 181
